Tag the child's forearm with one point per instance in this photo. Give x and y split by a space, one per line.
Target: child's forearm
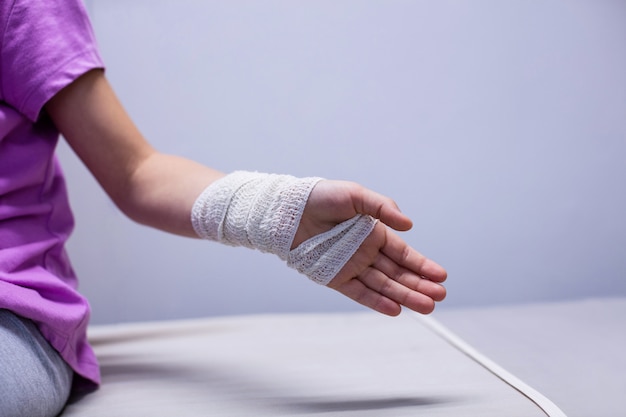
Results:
152 188
162 191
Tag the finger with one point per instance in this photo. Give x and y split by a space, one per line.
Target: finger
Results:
381 207
409 279
364 295
402 254
401 294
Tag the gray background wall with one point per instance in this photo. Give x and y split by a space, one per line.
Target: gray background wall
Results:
499 127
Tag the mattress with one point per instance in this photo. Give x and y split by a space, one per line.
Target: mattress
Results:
348 364
573 352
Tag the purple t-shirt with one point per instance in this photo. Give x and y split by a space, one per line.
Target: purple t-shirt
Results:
44 46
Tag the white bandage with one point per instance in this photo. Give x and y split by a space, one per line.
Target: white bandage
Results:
263 211
321 257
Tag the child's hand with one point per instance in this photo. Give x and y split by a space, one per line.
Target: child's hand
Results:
385 273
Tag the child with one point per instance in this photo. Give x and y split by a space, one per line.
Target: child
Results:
52 80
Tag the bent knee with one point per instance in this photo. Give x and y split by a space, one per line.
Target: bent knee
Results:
34 401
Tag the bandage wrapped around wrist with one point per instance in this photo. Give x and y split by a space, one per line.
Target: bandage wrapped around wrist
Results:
263 211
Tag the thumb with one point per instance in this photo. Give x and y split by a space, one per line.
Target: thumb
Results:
382 208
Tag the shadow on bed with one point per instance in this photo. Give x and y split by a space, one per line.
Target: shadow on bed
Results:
291 365
203 384
327 405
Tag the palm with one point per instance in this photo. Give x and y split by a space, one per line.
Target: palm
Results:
385 273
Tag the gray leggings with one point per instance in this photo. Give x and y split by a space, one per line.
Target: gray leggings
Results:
34 380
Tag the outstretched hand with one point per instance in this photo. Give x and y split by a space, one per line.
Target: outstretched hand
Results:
385 273
159 190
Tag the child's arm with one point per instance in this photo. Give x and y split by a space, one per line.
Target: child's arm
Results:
160 190
151 188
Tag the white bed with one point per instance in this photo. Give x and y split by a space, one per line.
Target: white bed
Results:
364 364
572 352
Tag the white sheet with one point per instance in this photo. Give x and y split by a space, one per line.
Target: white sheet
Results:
292 365
573 352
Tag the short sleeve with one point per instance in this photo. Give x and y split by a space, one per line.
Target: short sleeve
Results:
45 45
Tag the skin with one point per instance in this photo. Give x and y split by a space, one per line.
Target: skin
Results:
159 190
